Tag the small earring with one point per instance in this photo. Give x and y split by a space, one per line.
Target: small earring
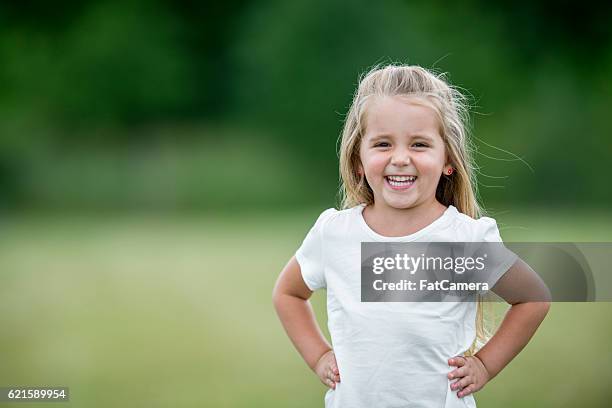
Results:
449 171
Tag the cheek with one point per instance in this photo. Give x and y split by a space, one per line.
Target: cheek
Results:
375 162
430 163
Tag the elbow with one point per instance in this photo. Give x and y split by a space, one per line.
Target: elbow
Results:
546 306
543 307
277 291
538 305
276 301
541 300
276 295
546 301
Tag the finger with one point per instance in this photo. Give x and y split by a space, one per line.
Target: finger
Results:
464 382
333 377
330 383
460 384
458 361
334 369
458 373
466 391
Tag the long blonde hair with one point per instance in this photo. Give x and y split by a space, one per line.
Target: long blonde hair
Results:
451 107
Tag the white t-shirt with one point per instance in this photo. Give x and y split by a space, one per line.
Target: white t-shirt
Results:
390 354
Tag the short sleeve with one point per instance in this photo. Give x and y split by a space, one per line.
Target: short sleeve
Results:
310 254
501 258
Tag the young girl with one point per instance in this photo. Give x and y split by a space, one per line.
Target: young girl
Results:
407 175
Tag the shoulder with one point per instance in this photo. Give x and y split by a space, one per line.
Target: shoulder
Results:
483 229
336 219
327 214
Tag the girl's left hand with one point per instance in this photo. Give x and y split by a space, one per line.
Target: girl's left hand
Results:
471 372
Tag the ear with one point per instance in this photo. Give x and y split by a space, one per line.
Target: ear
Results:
447 164
359 170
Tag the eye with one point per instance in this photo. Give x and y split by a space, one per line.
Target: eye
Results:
419 144
381 144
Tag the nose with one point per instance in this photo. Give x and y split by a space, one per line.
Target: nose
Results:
400 157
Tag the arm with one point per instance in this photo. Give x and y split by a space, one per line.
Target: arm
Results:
290 297
517 286
522 288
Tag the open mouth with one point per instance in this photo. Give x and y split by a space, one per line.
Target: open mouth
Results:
400 182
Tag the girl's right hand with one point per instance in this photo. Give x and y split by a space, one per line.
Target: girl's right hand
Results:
327 369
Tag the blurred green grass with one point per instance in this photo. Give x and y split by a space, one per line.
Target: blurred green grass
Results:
145 310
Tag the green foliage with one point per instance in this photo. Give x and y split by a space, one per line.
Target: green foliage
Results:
288 70
115 63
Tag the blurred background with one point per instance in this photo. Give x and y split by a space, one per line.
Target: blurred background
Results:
161 161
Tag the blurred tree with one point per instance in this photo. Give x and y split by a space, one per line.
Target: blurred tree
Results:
538 74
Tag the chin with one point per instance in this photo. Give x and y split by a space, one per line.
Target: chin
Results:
403 206
400 204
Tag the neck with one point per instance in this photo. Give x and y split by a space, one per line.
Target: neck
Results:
397 222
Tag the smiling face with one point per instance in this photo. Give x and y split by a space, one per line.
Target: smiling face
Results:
402 152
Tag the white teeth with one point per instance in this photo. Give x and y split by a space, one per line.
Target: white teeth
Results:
401 181
401 178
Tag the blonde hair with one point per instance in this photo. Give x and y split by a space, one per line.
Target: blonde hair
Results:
451 107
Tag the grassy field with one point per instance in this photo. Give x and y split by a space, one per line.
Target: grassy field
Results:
151 311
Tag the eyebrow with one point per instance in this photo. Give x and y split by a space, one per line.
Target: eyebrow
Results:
416 136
